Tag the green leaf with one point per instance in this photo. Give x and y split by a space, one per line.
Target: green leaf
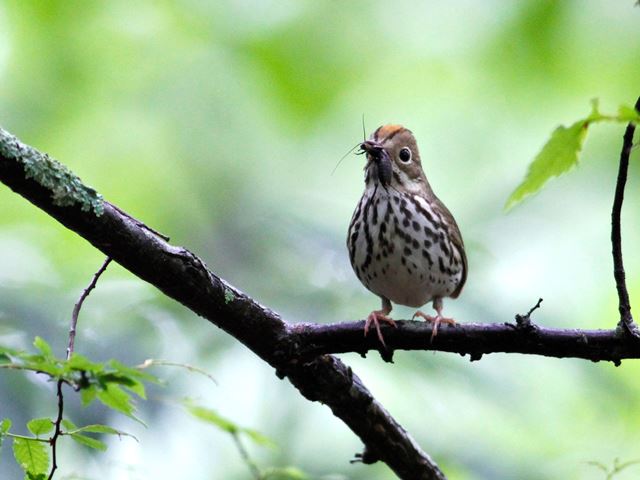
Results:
88 395
44 348
133 372
89 442
80 362
97 428
48 366
39 476
259 438
122 379
210 416
5 425
31 455
69 425
76 433
628 114
40 426
117 399
560 153
285 473
558 156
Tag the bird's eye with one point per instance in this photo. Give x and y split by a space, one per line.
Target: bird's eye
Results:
405 155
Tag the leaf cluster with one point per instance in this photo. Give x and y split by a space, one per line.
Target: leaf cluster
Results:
112 383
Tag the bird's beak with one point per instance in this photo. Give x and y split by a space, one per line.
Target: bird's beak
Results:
379 156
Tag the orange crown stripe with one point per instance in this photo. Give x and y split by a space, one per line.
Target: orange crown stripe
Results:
387 130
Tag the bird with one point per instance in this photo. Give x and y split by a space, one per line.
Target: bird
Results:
404 244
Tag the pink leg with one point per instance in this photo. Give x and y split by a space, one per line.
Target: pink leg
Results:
378 316
437 320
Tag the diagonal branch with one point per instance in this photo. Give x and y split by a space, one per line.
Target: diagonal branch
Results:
182 276
626 320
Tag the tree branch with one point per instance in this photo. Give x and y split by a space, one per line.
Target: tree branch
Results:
626 320
473 339
300 351
182 276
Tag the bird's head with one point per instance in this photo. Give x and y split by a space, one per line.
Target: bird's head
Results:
393 159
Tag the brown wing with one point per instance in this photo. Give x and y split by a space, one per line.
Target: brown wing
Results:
456 240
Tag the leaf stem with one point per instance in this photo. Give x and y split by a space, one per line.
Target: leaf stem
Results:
24 437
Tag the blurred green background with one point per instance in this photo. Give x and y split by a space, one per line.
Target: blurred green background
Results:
219 123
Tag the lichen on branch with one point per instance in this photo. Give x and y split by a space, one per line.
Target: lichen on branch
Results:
66 188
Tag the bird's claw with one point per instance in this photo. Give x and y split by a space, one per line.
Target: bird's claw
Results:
375 318
435 320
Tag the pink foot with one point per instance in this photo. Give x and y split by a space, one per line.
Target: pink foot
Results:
376 317
436 321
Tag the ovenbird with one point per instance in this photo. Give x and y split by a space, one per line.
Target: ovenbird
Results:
404 244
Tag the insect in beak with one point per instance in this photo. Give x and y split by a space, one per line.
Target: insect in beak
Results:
380 158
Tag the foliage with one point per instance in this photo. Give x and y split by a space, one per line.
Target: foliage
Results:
111 382
615 469
561 151
114 385
219 122
211 417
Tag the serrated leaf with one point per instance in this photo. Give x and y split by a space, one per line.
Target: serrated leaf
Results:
123 379
89 442
559 155
80 362
31 455
40 426
116 378
50 367
117 399
133 372
44 347
210 416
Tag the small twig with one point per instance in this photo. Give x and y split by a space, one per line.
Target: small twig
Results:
535 307
151 362
78 305
626 320
255 471
53 441
524 321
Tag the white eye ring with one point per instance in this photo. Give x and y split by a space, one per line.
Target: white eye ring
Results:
405 155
